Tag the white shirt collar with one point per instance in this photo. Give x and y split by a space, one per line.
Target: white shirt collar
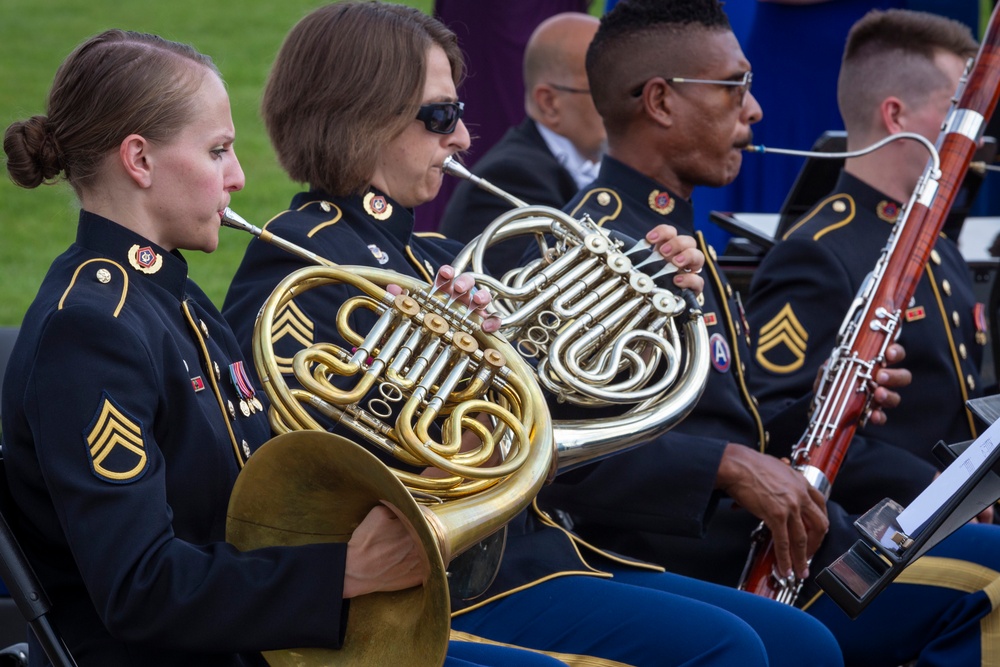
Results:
580 168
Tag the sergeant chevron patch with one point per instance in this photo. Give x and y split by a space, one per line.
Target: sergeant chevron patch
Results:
115 444
291 332
781 346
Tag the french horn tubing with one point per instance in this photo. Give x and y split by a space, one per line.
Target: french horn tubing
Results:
592 316
306 485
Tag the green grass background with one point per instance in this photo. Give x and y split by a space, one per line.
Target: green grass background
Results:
242 36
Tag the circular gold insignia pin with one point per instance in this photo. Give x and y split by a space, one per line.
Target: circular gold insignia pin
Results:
603 199
839 206
887 210
144 259
103 276
377 207
661 202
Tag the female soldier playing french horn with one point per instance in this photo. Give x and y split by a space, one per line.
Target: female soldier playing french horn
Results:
361 105
122 436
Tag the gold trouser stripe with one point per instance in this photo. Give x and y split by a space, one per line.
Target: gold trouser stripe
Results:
530 584
964 576
569 658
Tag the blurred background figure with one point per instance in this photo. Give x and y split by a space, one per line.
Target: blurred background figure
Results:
552 153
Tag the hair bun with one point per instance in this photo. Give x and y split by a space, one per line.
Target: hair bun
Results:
32 152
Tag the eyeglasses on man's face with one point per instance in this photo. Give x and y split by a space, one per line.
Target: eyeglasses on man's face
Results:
741 86
441 117
569 89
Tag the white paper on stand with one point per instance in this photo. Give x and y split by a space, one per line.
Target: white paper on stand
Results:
948 482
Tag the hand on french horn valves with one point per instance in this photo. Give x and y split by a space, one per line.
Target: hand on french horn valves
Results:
462 288
682 252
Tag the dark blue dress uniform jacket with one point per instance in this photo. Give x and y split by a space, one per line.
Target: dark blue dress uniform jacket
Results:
656 502
122 438
799 297
344 231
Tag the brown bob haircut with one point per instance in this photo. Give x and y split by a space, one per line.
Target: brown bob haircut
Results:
348 80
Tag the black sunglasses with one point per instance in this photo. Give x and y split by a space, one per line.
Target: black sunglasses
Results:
441 117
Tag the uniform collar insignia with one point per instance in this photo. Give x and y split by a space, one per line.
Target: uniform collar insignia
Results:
887 210
377 206
661 202
144 259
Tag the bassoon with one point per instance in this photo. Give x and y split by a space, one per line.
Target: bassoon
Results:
843 398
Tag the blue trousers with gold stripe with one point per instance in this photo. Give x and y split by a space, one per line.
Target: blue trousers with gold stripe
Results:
645 618
941 610
470 654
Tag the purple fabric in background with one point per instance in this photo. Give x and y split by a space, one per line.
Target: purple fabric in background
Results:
492 35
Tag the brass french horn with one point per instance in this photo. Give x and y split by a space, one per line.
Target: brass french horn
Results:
601 329
307 486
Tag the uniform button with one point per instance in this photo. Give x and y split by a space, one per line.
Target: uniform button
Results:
218 373
767 438
232 409
325 206
204 328
935 257
604 199
729 290
962 351
839 206
711 253
971 381
946 286
955 317
103 276
246 449
701 299
743 368
755 401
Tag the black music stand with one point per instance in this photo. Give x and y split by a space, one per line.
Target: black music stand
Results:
885 549
25 589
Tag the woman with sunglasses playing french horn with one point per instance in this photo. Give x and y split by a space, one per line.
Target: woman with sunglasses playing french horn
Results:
361 105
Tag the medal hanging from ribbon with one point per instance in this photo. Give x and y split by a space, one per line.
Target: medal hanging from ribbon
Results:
249 403
979 317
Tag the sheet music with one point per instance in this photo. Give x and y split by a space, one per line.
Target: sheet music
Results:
948 483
